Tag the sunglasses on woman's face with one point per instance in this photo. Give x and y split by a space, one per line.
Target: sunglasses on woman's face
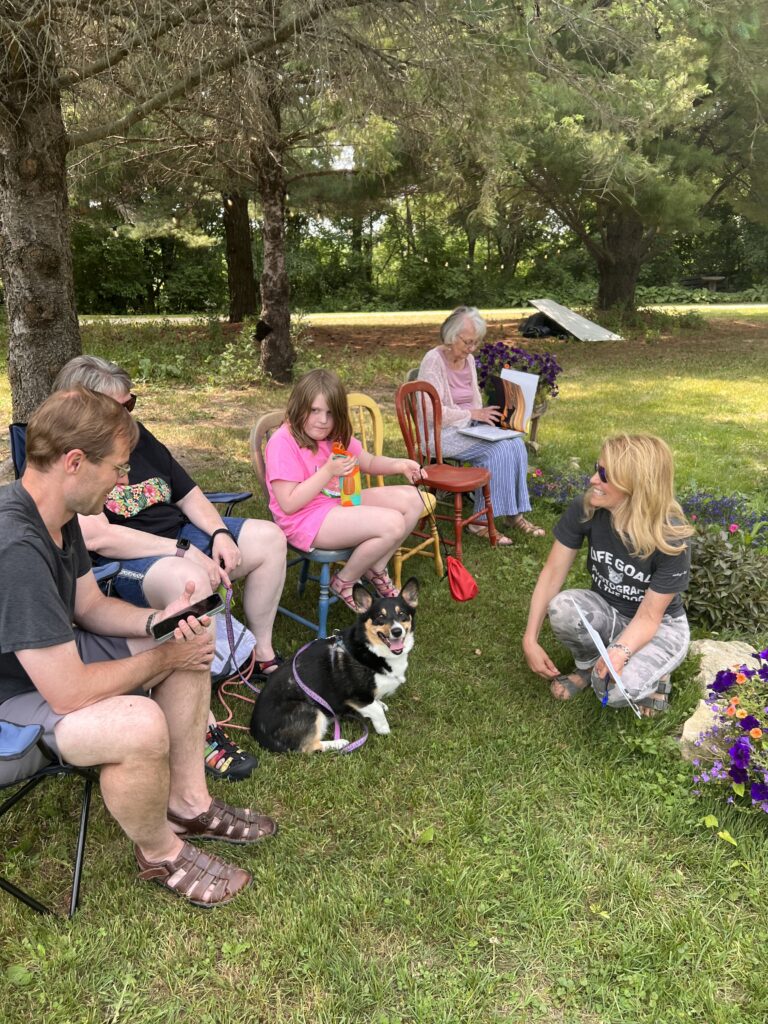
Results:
130 405
600 470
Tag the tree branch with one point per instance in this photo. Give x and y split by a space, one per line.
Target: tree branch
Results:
137 40
208 70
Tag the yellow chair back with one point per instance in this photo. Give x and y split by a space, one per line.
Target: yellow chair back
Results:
368 428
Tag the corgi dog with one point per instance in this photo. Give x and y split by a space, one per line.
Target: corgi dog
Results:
352 672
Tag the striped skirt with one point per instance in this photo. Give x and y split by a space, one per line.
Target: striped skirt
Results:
508 463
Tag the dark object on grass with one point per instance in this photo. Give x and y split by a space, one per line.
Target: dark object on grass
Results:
539 325
567 322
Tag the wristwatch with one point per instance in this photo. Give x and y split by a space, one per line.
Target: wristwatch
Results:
182 546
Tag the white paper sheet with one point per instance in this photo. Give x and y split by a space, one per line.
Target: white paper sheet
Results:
596 640
489 432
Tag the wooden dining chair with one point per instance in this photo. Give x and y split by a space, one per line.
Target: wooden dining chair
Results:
420 415
368 428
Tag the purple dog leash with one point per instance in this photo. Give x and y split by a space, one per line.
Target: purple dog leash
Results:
317 699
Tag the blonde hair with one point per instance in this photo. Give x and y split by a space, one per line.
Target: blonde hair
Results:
77 418
305 391
648 518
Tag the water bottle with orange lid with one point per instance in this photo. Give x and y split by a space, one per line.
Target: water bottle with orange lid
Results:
350 485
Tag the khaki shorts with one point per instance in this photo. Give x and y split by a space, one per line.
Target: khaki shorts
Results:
31 708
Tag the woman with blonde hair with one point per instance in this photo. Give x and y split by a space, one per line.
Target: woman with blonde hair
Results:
639 560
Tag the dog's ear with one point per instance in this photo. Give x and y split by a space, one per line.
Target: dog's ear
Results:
362 597
410 592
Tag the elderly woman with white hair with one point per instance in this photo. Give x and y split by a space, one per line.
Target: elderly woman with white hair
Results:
450 369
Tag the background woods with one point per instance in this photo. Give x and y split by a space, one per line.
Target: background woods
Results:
193 157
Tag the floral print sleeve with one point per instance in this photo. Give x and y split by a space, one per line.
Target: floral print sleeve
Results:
129 501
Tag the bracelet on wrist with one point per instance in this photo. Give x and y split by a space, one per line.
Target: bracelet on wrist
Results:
223 529
621 647
150 620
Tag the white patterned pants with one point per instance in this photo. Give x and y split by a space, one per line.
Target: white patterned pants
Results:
664 652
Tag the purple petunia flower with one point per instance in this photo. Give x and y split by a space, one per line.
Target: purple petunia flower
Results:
759 792
763 655
739 775
741 752
749 722
724 680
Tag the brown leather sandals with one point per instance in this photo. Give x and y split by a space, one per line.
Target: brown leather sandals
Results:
228 824
205 880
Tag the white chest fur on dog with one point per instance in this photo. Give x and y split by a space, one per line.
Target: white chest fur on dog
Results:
387 682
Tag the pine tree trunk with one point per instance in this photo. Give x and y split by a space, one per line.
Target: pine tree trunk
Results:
35 253
277 352
243 298
620 261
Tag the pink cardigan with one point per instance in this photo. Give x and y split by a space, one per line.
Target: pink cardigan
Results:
435 370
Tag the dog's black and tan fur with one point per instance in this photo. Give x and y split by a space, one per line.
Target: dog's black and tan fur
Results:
352 673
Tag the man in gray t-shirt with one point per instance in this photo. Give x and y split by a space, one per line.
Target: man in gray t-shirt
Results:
82 665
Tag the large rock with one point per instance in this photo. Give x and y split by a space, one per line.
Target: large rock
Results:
715 655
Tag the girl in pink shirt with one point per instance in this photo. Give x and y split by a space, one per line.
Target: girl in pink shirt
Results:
304 493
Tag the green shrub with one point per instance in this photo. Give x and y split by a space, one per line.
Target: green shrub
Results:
645 323
238 365
728 590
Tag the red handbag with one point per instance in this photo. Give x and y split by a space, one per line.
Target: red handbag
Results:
461 582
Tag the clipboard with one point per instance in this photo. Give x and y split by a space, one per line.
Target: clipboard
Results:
490 432
597 641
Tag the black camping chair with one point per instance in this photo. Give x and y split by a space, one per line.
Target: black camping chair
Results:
19 742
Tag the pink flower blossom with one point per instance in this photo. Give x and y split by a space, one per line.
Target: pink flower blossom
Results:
733 528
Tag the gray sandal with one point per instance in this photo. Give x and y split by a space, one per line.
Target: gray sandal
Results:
571 688
654 704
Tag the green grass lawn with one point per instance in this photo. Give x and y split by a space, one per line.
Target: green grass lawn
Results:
499 857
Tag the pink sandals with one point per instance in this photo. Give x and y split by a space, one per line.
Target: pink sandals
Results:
382 582
343 590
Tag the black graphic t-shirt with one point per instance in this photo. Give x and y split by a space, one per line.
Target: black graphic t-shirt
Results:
622 579
156 483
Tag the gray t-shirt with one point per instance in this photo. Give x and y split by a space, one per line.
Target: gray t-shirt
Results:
621 578
37 595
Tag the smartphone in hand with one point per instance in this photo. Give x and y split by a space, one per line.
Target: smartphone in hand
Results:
163 629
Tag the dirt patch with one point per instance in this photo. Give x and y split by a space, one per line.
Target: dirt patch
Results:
409 339
401 338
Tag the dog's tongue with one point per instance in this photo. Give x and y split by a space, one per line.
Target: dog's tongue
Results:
396 646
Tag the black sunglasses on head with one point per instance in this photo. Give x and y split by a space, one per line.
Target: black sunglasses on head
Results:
600 470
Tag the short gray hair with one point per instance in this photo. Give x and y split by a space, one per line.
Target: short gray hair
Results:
452 325
94 373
